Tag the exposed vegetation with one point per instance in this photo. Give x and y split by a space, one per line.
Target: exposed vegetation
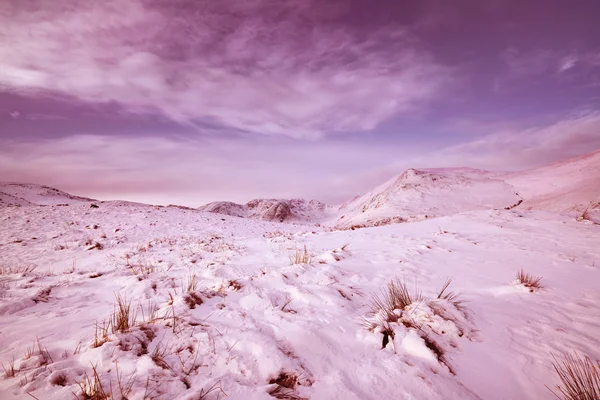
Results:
580 378
529 281
300 257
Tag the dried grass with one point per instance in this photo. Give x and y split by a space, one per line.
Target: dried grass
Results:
140 267
91 387
394 300
9 371
192 284
450 296
215 387
19 269
584 216
122 318
529 281
158 356
101 333
125 388
286 385
580 378
300 257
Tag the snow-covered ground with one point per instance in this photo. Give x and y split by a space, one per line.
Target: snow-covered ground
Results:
221 312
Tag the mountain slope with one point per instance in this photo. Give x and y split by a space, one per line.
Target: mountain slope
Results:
571 185
420 194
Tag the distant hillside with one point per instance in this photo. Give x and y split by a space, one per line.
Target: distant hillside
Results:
23 194
280 210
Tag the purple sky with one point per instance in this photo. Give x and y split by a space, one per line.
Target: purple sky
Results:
191 101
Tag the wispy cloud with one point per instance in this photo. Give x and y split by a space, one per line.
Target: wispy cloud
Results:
192 172
509 149
526 63
518 149
521 63
567 63
278 68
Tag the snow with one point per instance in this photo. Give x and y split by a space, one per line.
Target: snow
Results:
222 312
565 186
25 194
260 316
419 194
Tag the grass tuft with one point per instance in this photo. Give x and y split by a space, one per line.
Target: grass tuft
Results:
91 387
158 356
120 321
20 269
59 380
452 297
580 378
529 281
43 352
394 300
125 388
122 318
9 371
101 333
206 391
300 257
234 285
192 284
584 216
286 384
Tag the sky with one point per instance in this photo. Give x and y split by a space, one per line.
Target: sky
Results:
193 101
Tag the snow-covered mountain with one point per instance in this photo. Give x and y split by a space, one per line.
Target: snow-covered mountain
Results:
21 194
420 194
279 210
417 194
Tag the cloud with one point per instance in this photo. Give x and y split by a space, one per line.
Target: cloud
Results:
508 149
518 149
261 66
539 63
530 62
167 170
567 63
